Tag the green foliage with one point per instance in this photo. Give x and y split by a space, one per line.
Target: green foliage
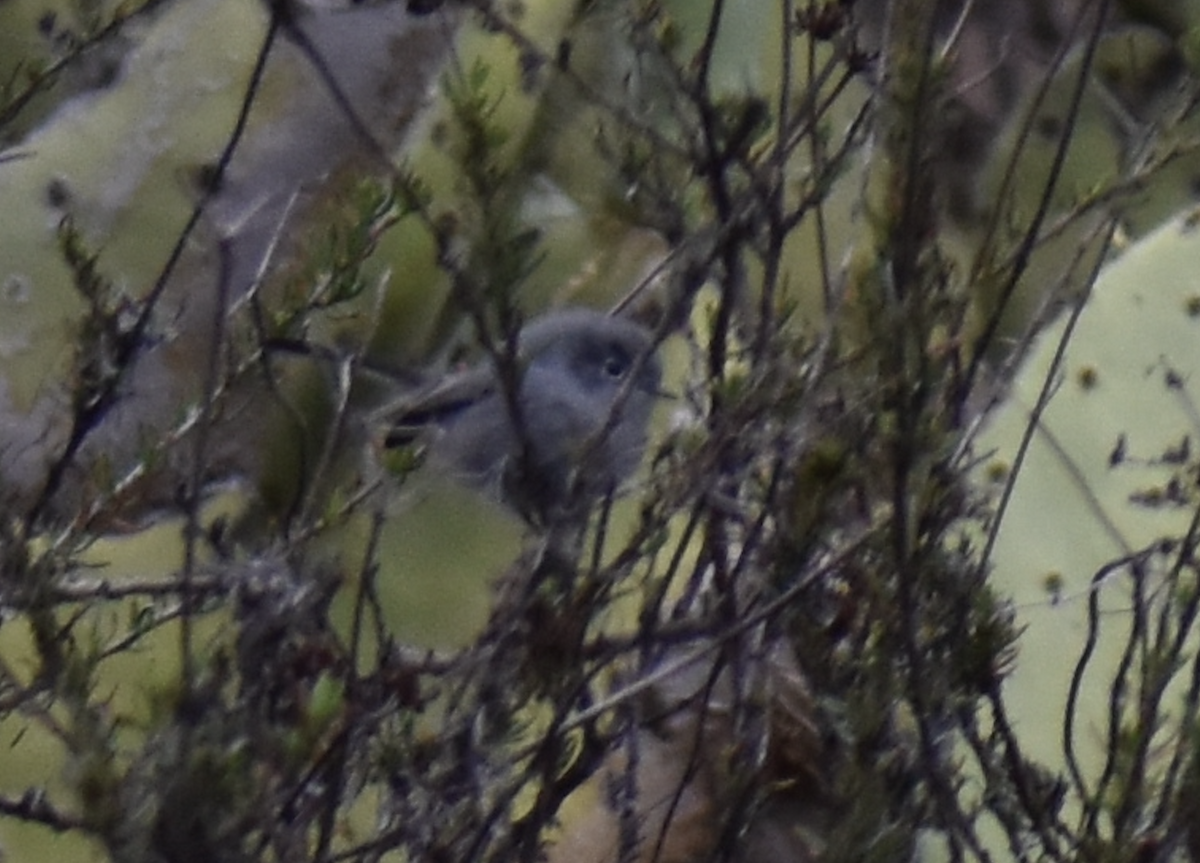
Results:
811 618
110 329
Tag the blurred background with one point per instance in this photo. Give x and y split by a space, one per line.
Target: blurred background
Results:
232 230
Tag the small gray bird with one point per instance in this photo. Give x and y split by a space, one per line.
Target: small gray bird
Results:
573 365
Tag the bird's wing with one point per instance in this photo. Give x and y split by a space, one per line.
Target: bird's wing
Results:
408 417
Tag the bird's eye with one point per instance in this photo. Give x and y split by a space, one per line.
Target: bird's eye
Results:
615 366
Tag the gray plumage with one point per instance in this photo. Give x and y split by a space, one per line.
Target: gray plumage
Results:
574 364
